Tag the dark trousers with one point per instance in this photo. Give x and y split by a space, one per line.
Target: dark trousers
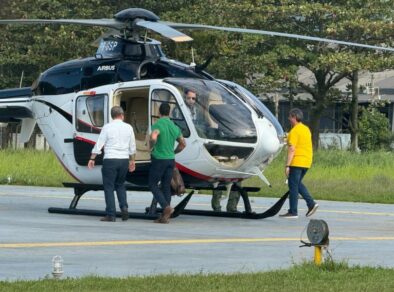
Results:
114 173
297 187
161 171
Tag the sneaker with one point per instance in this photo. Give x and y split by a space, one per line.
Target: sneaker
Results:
312 210
125 214
108 219
288 215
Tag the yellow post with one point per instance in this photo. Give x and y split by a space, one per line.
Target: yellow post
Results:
318 255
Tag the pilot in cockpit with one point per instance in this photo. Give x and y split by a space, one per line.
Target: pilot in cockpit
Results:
190 101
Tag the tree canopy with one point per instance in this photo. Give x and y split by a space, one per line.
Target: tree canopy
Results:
261 63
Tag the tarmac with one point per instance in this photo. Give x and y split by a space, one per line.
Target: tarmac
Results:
360 234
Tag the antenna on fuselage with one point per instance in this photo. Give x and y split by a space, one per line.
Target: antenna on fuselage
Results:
20 83
192 64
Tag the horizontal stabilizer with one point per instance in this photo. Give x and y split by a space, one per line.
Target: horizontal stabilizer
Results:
14 113
15 104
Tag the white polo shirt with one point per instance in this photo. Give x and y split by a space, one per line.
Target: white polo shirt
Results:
118 140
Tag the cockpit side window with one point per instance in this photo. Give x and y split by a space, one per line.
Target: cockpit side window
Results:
217 113
162 95
90 113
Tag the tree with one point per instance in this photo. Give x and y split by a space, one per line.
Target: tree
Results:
277 59
375 131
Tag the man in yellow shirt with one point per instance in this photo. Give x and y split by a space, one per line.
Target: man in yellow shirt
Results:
299 160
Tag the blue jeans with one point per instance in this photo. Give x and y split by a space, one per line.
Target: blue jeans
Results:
161 171
297 187
114 173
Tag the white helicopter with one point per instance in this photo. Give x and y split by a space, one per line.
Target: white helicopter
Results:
235 138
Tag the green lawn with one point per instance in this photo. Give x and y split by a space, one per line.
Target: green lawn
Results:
339 176
303 278
335 175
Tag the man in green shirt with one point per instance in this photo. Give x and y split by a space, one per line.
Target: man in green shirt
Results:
162 141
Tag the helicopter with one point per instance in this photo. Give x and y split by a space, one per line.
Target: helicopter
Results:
237 137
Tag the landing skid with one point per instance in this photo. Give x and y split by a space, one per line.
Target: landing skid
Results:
247 214
81 189
152 212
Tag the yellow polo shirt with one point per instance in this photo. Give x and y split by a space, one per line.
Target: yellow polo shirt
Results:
300 137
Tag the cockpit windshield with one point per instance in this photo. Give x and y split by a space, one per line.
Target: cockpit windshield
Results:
216 112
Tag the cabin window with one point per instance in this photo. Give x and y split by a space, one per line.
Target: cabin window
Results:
91 113
162 95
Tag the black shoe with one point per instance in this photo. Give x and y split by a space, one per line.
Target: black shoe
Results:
108 219
125 214
312 210
289 215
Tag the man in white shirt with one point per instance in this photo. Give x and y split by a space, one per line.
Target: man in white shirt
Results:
117 138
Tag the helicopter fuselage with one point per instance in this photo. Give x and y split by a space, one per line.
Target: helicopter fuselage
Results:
230 142
234 137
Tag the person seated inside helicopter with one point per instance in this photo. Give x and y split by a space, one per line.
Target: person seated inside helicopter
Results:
193 109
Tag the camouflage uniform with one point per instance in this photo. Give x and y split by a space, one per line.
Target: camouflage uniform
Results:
232 202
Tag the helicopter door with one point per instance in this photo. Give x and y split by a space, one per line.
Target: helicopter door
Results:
91 114
135 103
160 95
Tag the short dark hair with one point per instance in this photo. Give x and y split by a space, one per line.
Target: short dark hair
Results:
187 90
116 111
297 114
164 109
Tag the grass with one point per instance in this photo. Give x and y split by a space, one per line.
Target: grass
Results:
340 176
31 167
304 277
335 175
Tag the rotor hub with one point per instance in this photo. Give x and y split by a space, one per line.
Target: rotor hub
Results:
130 14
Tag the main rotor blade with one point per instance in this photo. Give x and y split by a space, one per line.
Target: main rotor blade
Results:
272 33
111 23
164 30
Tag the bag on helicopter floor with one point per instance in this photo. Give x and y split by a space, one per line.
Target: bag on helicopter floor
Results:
177 184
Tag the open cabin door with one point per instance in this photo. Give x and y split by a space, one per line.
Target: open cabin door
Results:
159 95
91 114
135 103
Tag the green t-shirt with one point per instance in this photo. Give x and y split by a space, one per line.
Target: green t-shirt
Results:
169 132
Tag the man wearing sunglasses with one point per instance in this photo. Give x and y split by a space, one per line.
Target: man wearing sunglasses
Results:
191 98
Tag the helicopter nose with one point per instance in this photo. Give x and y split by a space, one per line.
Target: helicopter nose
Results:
270 143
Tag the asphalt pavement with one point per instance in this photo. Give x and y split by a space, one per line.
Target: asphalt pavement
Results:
360 234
